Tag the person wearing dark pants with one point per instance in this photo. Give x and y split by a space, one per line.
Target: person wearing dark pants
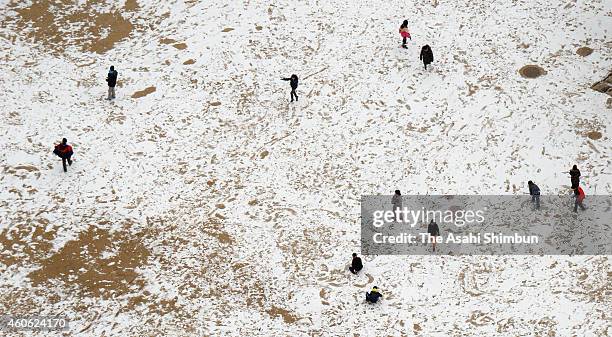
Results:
356 264
64 151
426 55
373 296
396 201
433 230
111 79
575 177
534 191
293 82
405 34
579 196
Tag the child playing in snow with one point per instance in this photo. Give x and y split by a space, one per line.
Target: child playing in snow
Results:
403 30
373 296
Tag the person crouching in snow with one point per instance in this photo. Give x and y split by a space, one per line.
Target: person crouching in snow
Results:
64 151
373 296
403 30
356 264
426 55
293 82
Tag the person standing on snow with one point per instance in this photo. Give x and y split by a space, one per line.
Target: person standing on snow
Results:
434 231
426 55
396 201
575 177
64 151
356 264
293 81
403 30
534 191
579 195
111 79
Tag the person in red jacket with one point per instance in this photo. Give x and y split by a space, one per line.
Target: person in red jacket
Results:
64 151
579 195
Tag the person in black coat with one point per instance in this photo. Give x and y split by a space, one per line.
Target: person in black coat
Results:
356 264
111 79
433 230
426 55
293 81
534 191
575 177
373 296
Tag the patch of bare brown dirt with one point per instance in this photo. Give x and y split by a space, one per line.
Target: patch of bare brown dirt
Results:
25 243
143 93
61 24
584 51
83 262
188 62
131 5
595 135
180 46
287 315
215 229
167 41
532 71
604 86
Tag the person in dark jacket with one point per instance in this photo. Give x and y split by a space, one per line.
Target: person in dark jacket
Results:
356 264
433 230
534 191
111 79
396 201
293 82
579 195
575 177
373 296
426 55
64 151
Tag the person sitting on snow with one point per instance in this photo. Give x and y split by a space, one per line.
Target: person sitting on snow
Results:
356 264
373 296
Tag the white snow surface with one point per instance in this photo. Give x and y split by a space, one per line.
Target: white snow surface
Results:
247 205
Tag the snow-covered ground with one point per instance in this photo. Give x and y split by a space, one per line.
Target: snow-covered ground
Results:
201 202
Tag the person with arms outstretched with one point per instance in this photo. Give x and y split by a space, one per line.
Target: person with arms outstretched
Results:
293 82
